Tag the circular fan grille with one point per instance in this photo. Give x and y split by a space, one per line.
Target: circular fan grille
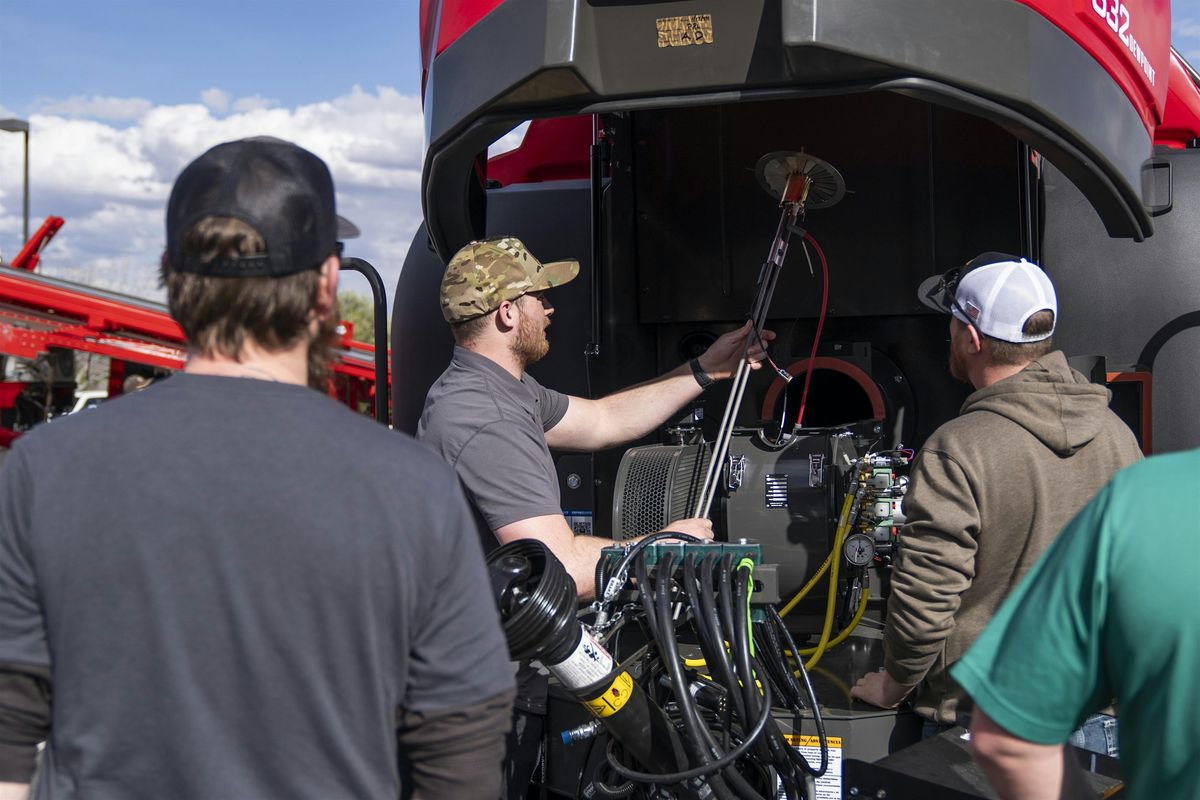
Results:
827 187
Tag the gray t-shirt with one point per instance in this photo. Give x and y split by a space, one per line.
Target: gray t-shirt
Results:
237 584
491 428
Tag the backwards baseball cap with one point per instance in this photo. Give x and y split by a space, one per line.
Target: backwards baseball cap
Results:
483 274
995 292
279 189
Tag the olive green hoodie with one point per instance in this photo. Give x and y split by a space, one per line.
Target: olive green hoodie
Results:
989 492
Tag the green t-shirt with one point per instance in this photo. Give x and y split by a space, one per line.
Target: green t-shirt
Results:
1111 610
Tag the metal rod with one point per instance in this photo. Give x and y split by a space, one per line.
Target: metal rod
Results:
379 296
1025 203
599 157
767 280
25 199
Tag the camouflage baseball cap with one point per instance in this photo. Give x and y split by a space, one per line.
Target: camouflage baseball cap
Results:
484 274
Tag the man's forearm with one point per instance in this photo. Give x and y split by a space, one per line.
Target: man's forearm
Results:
585 554
638 410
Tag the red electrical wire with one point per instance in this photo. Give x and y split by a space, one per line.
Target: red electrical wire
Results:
820 324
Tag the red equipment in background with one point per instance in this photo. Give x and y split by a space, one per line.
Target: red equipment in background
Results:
31 253
41 315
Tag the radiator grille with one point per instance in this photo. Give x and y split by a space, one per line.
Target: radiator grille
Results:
656 485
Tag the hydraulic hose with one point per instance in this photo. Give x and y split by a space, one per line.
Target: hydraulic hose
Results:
777 621
714 654
858 615
711 619
842 527
830 603
722 763
693 725
743 657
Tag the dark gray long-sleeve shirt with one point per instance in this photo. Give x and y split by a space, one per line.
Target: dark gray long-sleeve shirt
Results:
238 587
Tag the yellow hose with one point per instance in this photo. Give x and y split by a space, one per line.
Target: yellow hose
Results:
841 637
842 528
830 603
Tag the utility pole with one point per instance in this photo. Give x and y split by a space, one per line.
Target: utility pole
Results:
21 126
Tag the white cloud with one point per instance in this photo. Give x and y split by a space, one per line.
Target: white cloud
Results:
215 99
254 103
509 141
111 183
114 109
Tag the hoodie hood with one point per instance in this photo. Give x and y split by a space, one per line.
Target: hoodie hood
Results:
1058 405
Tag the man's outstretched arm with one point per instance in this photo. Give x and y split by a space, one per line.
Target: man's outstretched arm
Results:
579 553
632 413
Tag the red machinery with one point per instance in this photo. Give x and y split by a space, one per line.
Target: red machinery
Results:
1065 131
41 316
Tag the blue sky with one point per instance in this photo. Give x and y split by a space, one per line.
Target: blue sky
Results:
122 94
168 51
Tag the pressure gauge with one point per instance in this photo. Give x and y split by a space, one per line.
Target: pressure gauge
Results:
859 549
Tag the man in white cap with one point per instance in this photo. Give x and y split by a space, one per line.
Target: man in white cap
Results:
992 488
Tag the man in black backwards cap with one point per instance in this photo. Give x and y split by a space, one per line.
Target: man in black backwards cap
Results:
223 580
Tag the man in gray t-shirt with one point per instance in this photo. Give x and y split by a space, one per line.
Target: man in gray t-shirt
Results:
232 586
496 425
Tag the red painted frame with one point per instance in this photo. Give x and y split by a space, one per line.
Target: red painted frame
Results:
37 314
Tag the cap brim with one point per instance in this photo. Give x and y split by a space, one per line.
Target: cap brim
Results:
556 273
346 229
926 289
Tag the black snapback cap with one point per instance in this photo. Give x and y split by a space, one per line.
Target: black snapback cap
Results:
279 189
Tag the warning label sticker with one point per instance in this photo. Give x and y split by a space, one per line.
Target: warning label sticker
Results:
614 697
829 785
587 664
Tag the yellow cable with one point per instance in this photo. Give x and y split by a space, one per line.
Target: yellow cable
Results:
831 602
830 606
843 523
841 637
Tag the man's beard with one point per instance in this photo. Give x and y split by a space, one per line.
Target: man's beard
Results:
958 369
320 353
531 344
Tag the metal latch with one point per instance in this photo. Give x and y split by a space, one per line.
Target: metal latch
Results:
735 472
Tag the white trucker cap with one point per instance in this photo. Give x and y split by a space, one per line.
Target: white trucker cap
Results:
995 292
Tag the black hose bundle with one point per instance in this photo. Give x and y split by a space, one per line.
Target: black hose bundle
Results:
722 706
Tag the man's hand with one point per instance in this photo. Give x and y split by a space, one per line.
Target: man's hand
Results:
880 689
699 527
721 359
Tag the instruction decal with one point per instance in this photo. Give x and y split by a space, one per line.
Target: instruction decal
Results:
829 785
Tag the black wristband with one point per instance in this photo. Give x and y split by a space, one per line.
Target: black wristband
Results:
703 378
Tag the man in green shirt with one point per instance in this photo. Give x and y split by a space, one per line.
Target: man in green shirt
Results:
1109 611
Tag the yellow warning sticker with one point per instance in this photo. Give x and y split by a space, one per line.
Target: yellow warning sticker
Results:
614 697
811 741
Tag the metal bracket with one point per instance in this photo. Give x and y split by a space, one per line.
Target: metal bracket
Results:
735 472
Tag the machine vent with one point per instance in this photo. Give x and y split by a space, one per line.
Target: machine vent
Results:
656 485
